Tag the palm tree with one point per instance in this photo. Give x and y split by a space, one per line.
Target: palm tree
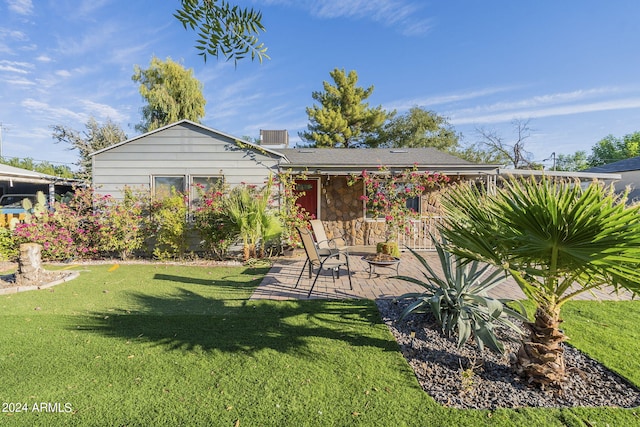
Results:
557 240
248 209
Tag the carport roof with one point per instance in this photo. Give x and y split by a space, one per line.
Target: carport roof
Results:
8 173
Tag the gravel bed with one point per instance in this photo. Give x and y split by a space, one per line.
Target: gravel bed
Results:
439 367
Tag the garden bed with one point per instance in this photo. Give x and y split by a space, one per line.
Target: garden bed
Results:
440 369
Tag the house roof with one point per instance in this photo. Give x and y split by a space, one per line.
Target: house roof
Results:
350 160
624 165
198 125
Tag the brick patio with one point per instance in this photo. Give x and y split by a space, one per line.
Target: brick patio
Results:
279 282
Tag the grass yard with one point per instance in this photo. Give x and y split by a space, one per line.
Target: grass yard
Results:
143 345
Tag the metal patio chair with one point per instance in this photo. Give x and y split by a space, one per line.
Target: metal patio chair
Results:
332 261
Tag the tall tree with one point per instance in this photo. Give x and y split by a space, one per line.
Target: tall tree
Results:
172 93
343 119
515 152
557 240
223 29
611 149
94 138
417 128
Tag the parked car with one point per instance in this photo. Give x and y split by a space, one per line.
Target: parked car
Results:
12 203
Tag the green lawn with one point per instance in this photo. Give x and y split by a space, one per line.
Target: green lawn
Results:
144 345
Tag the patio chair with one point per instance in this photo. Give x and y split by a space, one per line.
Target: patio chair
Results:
333 261
326 245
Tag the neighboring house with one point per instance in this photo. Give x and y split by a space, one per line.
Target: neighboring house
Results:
23 181
186 153
629 171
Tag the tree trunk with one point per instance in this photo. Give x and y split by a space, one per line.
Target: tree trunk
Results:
540 359
29 264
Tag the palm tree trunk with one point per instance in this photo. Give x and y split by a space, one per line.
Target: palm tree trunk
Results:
540 358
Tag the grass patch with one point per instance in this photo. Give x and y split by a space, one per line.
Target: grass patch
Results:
168 345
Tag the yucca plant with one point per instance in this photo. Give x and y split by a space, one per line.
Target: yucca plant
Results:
557 240
459 299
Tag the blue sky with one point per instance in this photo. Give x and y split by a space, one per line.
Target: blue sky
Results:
571 67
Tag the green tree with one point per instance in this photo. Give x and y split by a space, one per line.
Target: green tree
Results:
95 137
477 153
172 93
223 29
611 149
343 119
417 128
48 168
572 162
557 240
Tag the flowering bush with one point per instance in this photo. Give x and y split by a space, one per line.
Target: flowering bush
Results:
57 242
292 215
211 221
386 194
86 225
122 225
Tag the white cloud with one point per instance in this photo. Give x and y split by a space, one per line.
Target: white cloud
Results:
403 14
63 73
44 58
404 105
551 111
19 82
22 7
103 111
15 66
54 113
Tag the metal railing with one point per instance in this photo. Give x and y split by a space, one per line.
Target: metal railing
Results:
417 234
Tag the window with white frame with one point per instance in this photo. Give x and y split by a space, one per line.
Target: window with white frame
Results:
202 185
163 186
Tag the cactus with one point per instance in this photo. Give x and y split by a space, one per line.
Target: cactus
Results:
39 209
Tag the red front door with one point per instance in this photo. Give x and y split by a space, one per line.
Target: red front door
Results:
309 200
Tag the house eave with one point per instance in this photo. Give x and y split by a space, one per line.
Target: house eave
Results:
325 169
559 174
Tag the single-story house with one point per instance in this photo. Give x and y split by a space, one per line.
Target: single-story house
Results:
185 153
629 171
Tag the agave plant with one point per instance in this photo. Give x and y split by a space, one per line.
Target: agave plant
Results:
459 301
558 240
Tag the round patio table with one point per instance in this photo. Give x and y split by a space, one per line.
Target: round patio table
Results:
386 263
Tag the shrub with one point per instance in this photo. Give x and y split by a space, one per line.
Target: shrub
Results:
459 300
57 242
8 245
169 226
212 224
122 225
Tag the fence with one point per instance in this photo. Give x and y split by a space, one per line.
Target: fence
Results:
419 234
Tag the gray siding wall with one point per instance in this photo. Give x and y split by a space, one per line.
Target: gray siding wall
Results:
182 150
632 180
